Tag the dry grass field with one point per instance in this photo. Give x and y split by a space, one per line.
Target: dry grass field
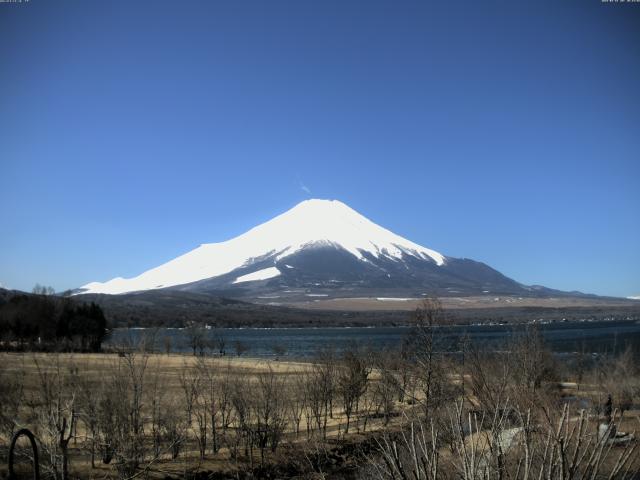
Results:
469 302
179 384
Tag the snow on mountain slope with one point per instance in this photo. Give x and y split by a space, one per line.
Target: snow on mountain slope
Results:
263 274
312 222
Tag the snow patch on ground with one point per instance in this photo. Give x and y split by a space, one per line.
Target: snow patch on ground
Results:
263 274
393 299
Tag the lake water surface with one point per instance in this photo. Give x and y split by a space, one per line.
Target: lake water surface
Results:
563 338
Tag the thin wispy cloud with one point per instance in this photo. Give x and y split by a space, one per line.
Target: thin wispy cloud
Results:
304 188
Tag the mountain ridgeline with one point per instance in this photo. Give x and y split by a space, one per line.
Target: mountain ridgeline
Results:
319 249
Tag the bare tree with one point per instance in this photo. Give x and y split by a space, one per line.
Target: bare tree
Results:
219 342
88 409
242 403
120 413
429 372
319 385
532 362
195 337
279 350
224 394
270 411
388 386
11 399
54 407
297 402
494 448
202 413
210 395
622 379
167 342
490 374
353 378
368 406
190 386
325 366
43 290
156 408
240 347
174 430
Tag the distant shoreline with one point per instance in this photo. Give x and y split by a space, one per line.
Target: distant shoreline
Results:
407 326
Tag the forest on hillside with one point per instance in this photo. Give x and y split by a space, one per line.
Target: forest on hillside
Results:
46 322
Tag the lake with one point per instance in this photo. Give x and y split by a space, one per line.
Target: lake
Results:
597 337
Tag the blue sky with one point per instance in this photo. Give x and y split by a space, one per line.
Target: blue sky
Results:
506 132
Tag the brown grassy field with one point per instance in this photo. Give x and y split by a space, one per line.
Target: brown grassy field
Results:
471 302
187 392
167 372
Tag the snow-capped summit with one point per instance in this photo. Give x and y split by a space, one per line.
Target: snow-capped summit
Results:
331 222
311 223
319 248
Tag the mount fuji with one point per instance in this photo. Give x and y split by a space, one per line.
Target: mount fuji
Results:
319 248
